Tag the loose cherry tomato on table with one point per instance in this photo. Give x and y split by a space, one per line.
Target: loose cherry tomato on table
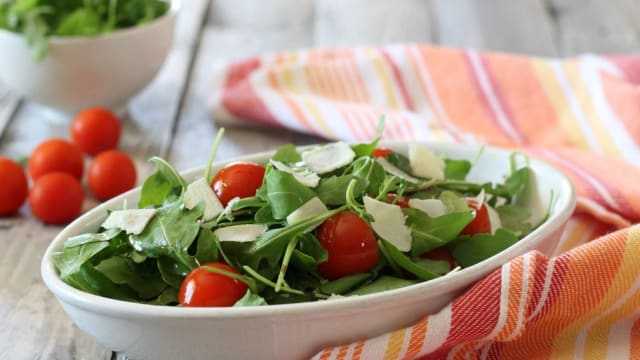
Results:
481 224
56 198
204 287
111 173
240 179
55 155
14 189
94 130
381 152
350 244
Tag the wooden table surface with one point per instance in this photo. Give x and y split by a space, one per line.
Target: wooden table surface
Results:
171 117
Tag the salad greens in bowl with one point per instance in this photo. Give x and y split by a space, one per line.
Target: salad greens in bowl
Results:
68 55
299 248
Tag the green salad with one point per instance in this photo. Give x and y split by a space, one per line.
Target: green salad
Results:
322 222
39 19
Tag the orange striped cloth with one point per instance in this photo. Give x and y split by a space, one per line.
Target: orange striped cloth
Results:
581 114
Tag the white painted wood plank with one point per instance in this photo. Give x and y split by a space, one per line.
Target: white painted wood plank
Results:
371 22
597 26
33 324
197 128
503 25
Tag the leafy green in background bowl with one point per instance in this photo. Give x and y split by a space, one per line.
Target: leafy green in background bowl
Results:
39 19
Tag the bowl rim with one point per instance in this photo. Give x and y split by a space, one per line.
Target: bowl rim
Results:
56 40
565 202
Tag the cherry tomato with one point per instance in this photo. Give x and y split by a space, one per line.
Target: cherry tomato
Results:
350 243
203 287
56 198
441 253
481 224
95 129
403 201
111 173
381 152
240 179
56 155
14 188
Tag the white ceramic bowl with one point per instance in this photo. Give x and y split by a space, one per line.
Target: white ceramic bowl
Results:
292 331
78 72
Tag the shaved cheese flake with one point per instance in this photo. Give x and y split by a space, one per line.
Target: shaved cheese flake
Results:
424 163
324 159
241 233
431 207
311 208
132 221
198 191
304 175
395 171
389 223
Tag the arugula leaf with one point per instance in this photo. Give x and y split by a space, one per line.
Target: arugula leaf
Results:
471 250
370 173
344 284
439 267
143 278
250 299
400 161
207 249
163 186
383 283
287 154
169 296
88 279
429 233
366 149
172 272
71 259
515 218
171 232
456 169
285 193
81 22
332 190
91 237
403 261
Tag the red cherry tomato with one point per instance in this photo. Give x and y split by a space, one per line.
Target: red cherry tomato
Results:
441 253
95 129
56 198
240 179
381 152
111 173
403 201
481 224
203 287
14 189
55 155
350 243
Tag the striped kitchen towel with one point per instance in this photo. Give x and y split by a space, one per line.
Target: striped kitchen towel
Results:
581 114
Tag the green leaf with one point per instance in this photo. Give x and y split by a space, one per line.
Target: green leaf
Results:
456 169
207 249
400 161
471 250
344 284
171 271
403 261
285 193
430 233
287 154
453 202
164 185
515 218
383 283
94 282
91 237
366 149
71 259
171 232
332 190
250 299
169 296
143 278
370 173
81 22
439 267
